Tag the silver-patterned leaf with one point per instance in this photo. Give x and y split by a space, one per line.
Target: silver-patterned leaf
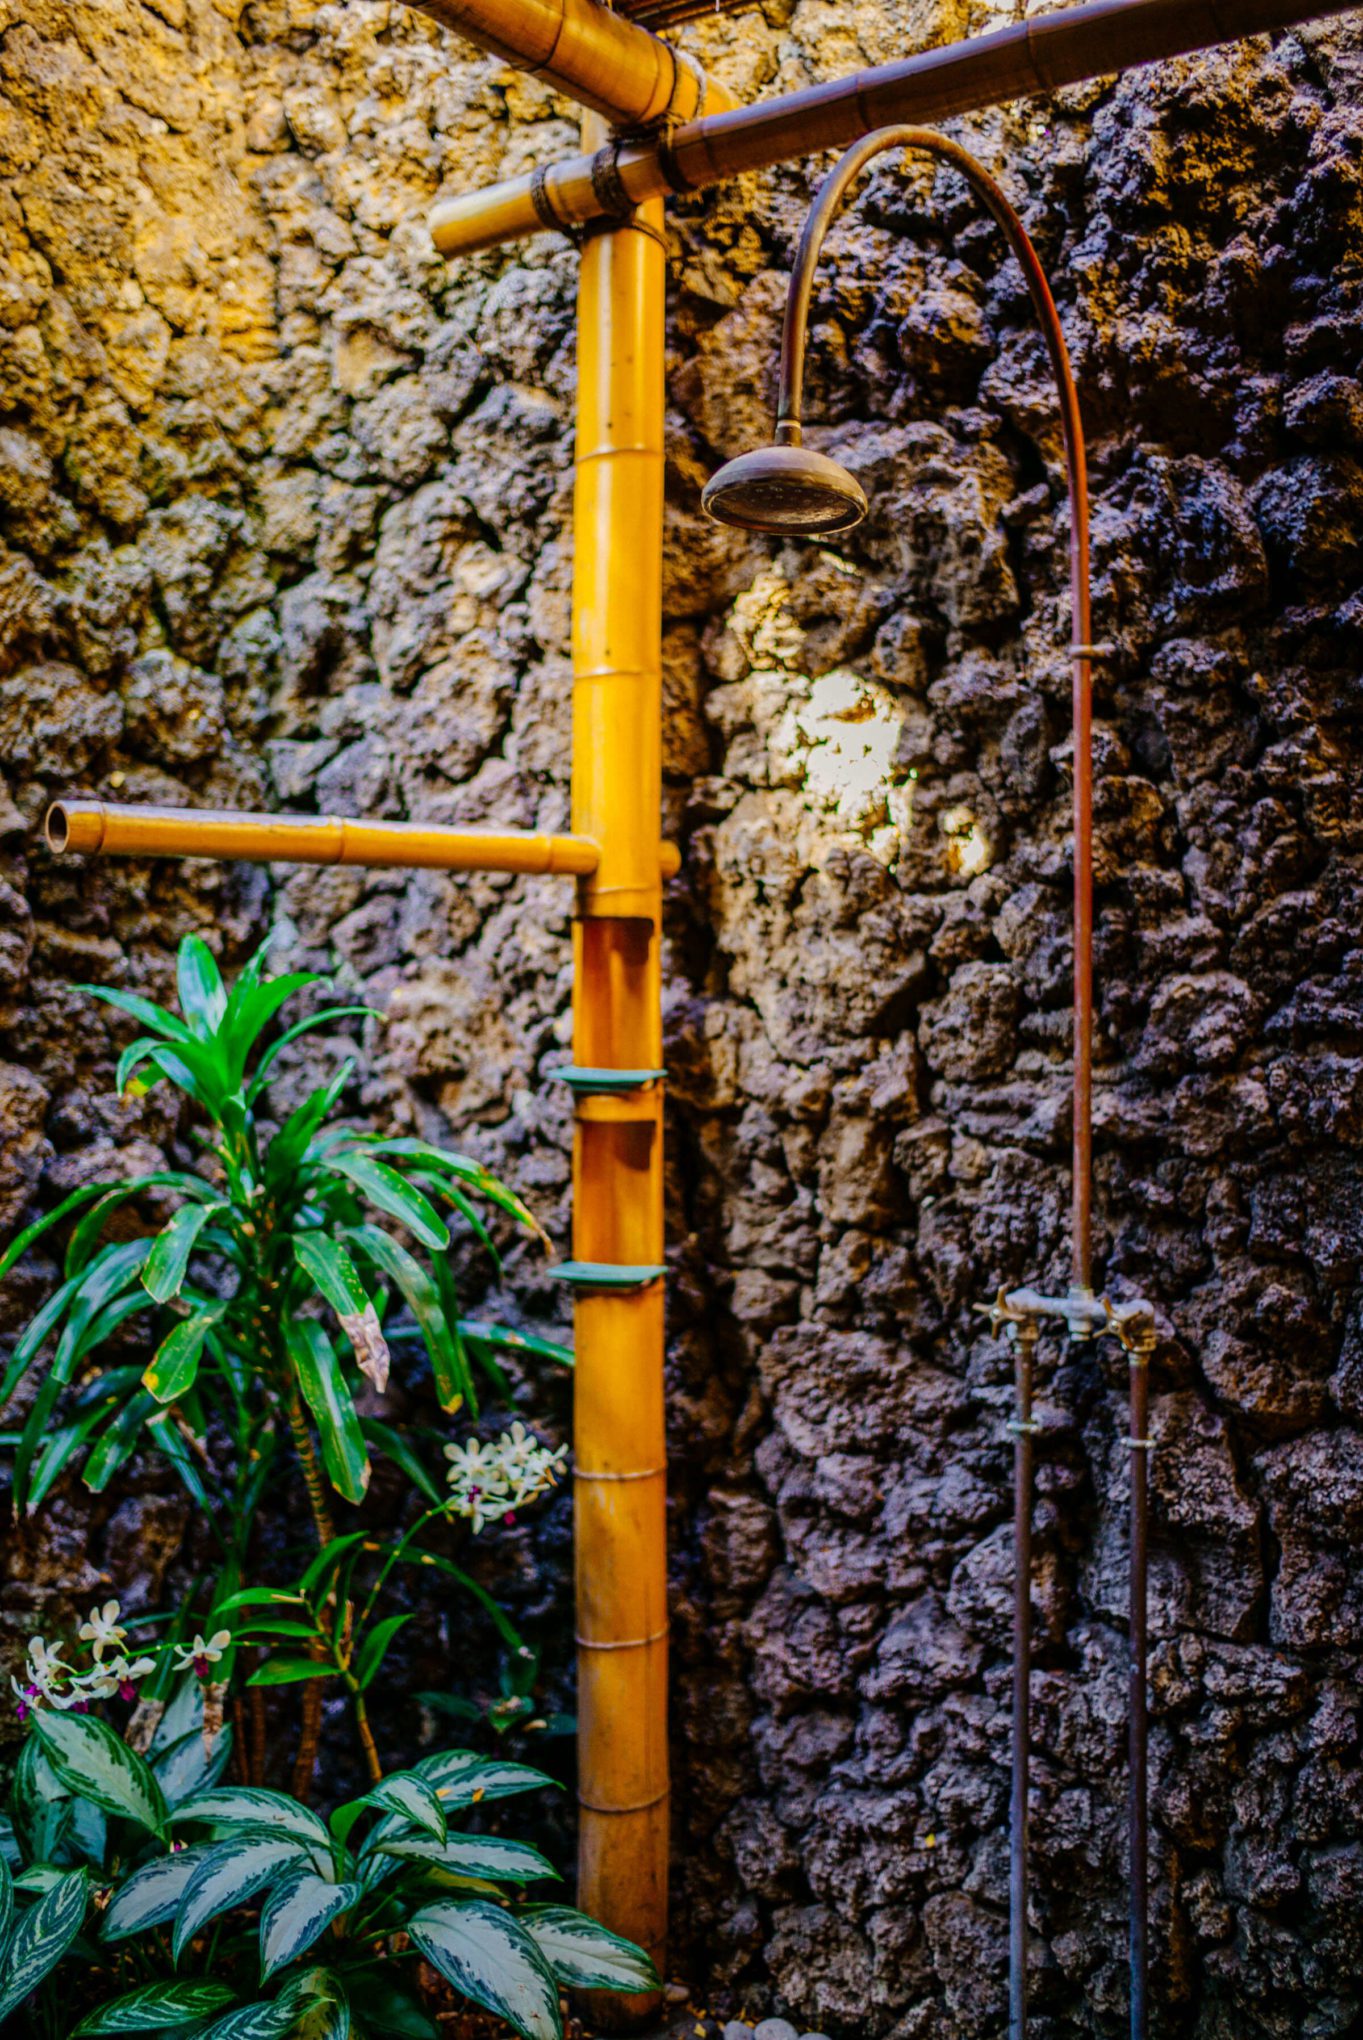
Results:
297 1912
584 1955
157 2008
94 1763
230 1873
491 1856
487 1956
151 1895
40 1939
249 1806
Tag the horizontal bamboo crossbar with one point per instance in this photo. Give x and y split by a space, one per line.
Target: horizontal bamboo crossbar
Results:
602 59
1036 56
101 829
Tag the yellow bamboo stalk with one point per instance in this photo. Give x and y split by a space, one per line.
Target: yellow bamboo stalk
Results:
602 59
620 1448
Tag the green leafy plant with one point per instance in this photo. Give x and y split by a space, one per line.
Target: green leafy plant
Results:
267 1277
200 1908
300 1625
140 1892
267 1288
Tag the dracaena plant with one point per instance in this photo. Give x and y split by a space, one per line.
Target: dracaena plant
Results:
175 1904
268 1285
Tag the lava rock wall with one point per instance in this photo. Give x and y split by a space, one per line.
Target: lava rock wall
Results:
286 522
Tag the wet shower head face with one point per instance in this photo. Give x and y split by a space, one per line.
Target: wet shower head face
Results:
785 490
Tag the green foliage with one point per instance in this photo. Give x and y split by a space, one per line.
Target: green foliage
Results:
223 1936
261 1290
226 1911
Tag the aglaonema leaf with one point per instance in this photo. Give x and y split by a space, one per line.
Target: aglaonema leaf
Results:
585 1955
41 1938
491 1960
251 1807
92 1761
296 1915
152 1895
495 1858
157 2008
230 1873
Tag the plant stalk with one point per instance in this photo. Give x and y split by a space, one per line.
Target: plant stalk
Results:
310 1735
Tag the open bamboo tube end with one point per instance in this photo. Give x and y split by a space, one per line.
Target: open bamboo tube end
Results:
73 825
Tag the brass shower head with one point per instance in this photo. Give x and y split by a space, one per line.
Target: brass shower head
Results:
785 488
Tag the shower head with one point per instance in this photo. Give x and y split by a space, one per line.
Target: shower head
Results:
785 488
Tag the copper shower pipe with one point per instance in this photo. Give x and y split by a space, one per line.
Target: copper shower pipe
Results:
601 59
788 427
99 828
1037 56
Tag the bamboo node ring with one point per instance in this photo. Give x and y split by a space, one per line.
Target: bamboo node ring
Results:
624 1643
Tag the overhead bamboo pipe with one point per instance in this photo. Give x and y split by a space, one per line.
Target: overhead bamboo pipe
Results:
1036 56
619 1423
101 829
603 60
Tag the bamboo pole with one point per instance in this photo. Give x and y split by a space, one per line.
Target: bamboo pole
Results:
1039 55
605 61
620 1445
101 829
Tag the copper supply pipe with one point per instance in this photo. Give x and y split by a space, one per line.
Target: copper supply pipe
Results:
602 59
620 1454
1024 1430
1037 56
1138 1787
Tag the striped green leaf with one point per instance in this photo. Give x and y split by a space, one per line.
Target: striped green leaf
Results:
93 1762
297 1913
6 1908
585 1955
230 1873
414 1798
156 2008
40 1939
463 1778
152 1895
496 1858
487 1956
251 1807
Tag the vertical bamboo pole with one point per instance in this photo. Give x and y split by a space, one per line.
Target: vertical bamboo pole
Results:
620 1450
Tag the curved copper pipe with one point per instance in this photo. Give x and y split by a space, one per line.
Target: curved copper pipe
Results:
788 432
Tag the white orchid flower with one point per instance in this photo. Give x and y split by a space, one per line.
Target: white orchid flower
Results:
103 1631
199 1655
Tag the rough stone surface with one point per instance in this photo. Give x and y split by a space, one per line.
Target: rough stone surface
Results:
285 520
